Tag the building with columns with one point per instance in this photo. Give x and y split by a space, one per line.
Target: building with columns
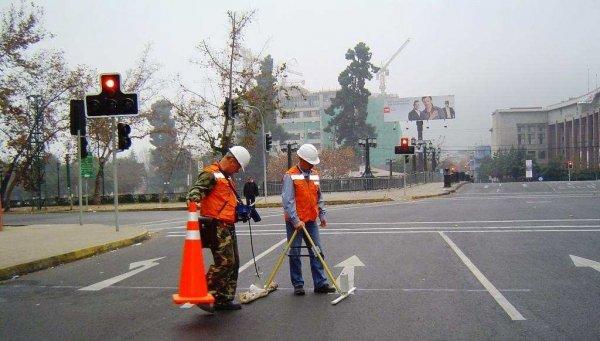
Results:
567 130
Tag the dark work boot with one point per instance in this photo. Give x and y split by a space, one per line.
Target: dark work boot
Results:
209 308
228 306
324 289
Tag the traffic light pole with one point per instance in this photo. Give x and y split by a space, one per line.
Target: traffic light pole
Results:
404 177
79 180
264 155
116 186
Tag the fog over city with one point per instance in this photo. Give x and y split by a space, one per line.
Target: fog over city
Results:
490 55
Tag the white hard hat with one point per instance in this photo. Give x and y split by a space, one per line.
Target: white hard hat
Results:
309 153
241 154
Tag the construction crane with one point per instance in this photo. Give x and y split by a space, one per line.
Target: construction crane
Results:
384 71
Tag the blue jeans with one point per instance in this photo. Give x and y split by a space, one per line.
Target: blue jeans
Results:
316 267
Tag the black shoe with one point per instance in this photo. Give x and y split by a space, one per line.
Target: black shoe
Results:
299 291
228 306
325 289
209 308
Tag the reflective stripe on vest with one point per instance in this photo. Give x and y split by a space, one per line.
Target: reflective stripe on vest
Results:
306 192
221 201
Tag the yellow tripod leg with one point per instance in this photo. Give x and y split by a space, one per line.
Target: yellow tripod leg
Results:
318 254
280 261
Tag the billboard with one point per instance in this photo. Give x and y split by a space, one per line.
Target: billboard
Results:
422 108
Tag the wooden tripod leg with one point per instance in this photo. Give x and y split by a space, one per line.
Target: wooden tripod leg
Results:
280 261
318 254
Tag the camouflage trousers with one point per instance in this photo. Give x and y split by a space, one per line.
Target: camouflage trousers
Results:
223 273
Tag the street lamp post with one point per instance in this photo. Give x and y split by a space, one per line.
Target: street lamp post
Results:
368 143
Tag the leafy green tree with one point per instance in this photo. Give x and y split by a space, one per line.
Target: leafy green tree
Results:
554 170
349 107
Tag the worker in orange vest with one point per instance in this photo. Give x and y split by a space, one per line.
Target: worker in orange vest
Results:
215 192
303 203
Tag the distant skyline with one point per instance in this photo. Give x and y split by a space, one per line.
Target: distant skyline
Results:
490 55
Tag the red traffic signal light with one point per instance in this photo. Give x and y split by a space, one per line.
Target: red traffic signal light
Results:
404 147
111 83
111 101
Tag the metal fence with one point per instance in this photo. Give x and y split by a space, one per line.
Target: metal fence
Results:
362 184
274 188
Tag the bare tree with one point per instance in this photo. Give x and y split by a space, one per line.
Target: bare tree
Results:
336 163
140 79
232 76
35 86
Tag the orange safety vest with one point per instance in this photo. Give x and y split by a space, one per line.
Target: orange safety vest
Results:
220 203
306 193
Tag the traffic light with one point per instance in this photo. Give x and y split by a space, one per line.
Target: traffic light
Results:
404 147
77 117
570 164
123 131
83 145
268 141
235 107
111 101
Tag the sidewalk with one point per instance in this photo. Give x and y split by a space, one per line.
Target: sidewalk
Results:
25 249
31 248
419 191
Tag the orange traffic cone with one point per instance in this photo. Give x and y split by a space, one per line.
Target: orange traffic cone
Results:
192 282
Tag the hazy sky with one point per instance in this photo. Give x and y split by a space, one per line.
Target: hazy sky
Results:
490 54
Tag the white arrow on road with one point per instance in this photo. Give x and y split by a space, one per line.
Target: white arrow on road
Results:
348 270
585 263
138 266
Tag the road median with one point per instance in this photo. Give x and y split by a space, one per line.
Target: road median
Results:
32 248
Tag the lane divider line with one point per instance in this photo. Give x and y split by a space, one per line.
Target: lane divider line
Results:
512 312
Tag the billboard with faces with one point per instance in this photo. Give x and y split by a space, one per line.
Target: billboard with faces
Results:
422 108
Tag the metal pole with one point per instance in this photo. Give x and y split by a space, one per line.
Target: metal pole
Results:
289 155
264 155
87 194
57 182
116 181
404 163
79 180
367 157
70 194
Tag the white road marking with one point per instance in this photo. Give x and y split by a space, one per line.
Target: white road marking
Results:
448 222
266 252
537 202
141 266
498 190
121 287
346 278
486 186
496 294
524 185
428 230
581 262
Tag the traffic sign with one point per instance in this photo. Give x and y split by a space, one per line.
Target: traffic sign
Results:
87 167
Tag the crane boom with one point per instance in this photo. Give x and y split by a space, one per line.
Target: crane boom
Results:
383 71
395 55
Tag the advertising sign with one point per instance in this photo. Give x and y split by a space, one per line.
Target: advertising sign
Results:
528 169
422 108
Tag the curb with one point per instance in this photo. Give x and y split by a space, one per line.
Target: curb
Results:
417 197
44 263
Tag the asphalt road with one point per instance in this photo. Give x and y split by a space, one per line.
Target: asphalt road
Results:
493 261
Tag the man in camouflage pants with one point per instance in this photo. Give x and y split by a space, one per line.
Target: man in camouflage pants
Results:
215 192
